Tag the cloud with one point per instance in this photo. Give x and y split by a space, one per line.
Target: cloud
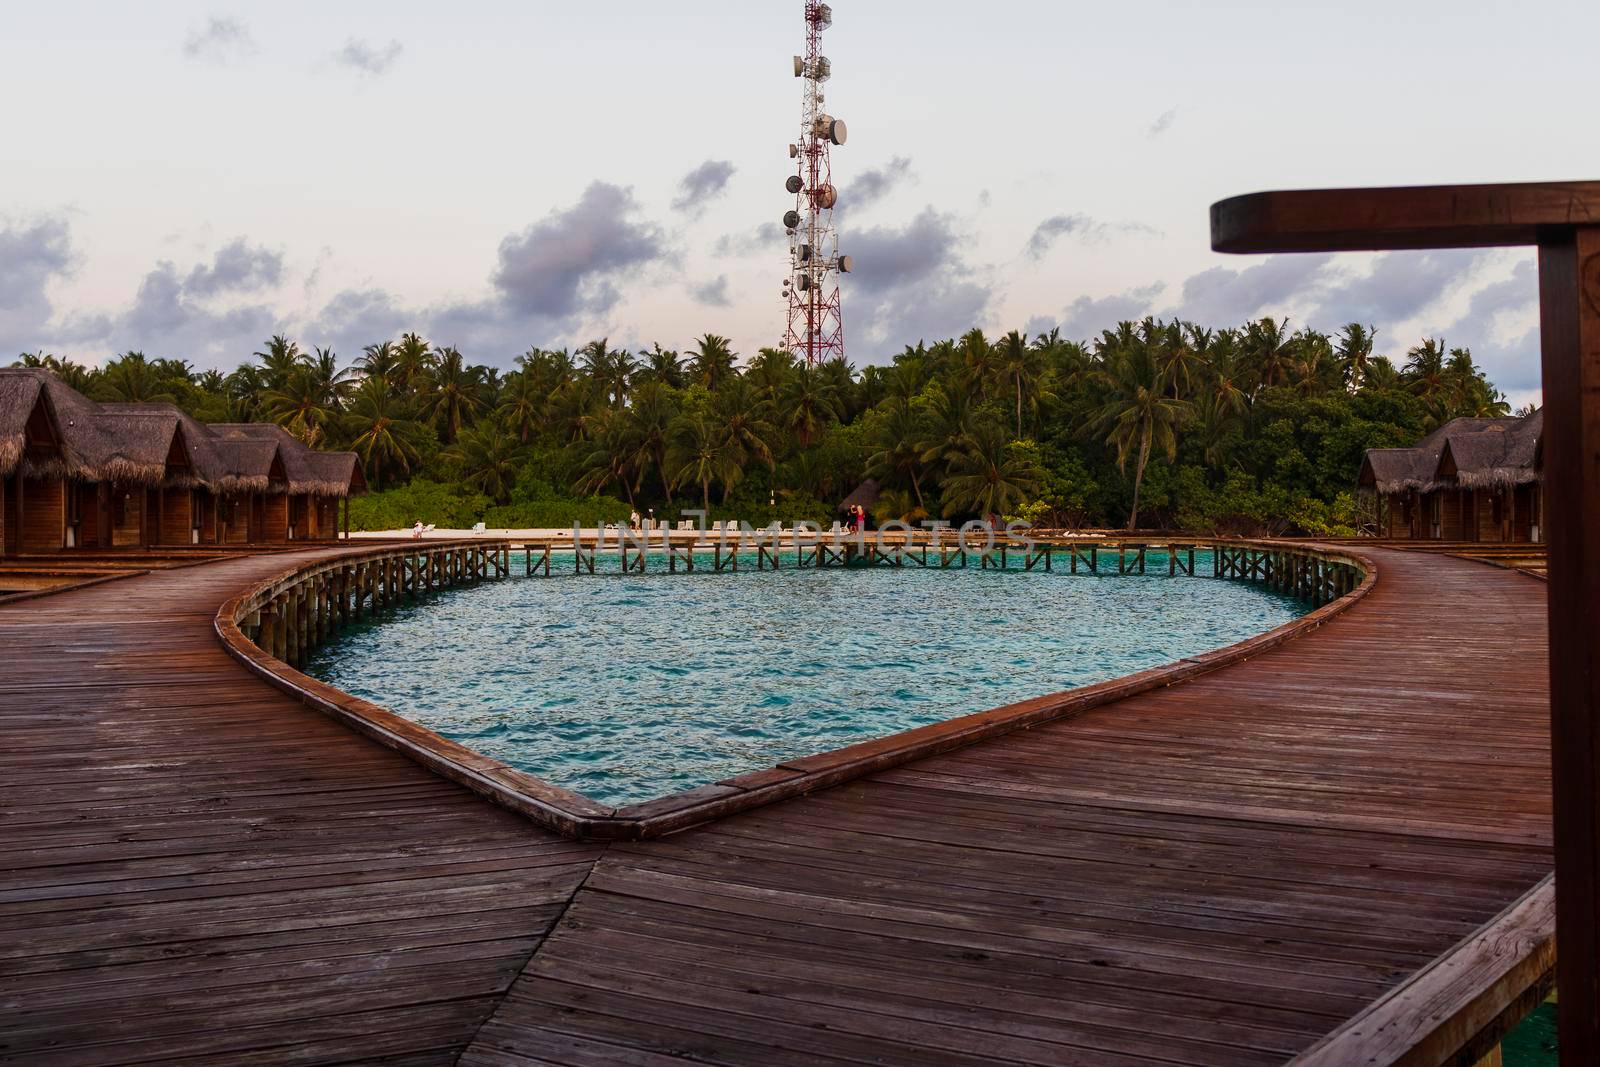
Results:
1225 296
367 58
1163 123
355 318
1083 227
223 39
702 185
1501 326
1399 286
237 267
713 293
567 263
768 237
911 283
32 255
1085 317
876 183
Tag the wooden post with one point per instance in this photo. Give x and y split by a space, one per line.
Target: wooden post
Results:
1563 220
1569 313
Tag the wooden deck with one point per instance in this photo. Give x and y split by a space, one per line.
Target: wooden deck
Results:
1221 872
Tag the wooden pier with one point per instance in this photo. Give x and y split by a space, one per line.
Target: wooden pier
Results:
1287 569
1337 848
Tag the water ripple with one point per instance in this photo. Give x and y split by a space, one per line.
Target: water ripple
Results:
627 689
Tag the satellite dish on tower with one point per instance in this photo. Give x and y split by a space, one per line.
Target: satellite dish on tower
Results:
794 184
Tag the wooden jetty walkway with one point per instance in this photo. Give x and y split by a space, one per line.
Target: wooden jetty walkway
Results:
1337 850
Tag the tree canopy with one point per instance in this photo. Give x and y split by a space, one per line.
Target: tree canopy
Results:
1254 428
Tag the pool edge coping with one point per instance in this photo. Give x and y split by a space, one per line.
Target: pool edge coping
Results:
580 818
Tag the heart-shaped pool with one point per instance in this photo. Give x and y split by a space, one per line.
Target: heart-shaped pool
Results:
627 688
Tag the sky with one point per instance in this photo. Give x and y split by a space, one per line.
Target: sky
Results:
187 179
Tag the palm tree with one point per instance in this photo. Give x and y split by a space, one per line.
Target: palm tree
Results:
303 405
839 380
809 404
382 430
769 374
653 414
610 369
133 379
897 456
1355 349
1270 349
610 456
522 404
381 362
662 367
74 374
977 360
701 454
489 457
948 426
1023 368
1138 413
989 476
712 361
1425 376
1227 371
739 410
455 391
413 358
281 361
244 389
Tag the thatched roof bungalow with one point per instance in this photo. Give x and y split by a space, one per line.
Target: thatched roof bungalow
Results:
1470 480
79 474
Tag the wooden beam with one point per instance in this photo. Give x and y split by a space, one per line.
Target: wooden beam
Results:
1563 220
1355 220
1569 312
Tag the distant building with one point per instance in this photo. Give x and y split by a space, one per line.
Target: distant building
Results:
1469 480
76 474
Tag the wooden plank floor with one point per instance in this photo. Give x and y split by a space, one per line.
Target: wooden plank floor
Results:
1216 873
194 869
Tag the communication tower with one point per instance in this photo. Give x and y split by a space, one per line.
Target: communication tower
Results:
815 327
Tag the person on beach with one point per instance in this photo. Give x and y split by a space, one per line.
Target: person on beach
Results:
633 520
416 531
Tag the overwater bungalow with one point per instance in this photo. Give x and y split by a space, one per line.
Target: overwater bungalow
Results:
1469 480
84 475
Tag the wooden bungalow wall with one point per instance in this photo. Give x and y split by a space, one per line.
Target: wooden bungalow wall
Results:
176 516
43 515
274 520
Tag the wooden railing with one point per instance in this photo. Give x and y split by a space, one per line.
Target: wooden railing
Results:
272 625
291 615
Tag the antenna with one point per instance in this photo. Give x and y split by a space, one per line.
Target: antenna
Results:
815 328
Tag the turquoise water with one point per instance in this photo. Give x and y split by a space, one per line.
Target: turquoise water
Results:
626 688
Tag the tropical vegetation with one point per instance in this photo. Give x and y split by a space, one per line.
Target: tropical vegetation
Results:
1171 424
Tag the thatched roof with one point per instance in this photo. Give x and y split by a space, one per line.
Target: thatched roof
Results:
25 394
310 472
157 444
20 402
1498 458
866 494
250 466
1471 453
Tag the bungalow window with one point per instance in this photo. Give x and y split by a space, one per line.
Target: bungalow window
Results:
74 494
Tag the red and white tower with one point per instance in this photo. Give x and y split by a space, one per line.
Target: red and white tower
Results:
815 328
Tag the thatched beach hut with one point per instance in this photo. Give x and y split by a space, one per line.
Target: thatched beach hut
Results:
1469 480
79 474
